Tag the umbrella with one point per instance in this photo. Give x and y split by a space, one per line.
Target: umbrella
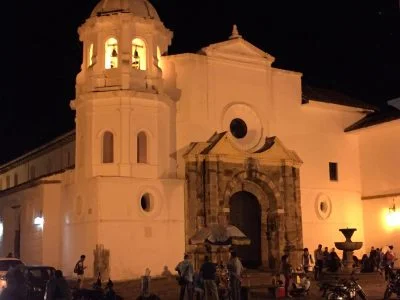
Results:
220 235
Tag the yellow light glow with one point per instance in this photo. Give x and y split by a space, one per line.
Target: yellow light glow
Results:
139 47
111 54
159 58
393 219
90 56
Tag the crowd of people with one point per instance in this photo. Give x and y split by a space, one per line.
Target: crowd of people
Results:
325 260
376 260
213 281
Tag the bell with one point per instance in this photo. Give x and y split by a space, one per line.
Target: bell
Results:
136 54
114 53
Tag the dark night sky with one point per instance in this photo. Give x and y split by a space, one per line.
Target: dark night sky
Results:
351 46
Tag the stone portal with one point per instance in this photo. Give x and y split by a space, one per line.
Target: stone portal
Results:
245 213
258 191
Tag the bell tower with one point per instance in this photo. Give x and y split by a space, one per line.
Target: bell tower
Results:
121 110
125 169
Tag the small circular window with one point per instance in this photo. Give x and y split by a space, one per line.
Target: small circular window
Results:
146 202
238 128
323 206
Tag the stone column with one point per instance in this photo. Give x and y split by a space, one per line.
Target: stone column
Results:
291 221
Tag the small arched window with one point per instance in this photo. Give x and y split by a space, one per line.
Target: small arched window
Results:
138 54
108 147
142 148
111 53
90 55
15 179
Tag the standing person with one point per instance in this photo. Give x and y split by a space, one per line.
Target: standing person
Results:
235 268
185 270
207 272
307 260
333 261
286 269
390 256
372 257
57 288
378 258
326 256
319 262
16 288
79 270
388 260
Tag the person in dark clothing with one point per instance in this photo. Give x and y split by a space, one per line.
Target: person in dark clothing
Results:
372 256
207 272
57 288
185 270
16 288
319 262
333 261
286 270
79 270
366 264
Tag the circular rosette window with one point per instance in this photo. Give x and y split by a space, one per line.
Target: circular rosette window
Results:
323 206
243 126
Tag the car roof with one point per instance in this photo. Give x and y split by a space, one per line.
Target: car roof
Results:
37 267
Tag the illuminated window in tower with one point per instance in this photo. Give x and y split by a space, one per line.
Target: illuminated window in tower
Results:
159 57
90 55
142 148
138 54
108 148
111 54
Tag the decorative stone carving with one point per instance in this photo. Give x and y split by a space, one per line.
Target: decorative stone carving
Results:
221 170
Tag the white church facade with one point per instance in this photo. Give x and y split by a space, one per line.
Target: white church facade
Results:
165 145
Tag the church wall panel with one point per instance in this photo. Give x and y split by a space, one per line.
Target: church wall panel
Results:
345 211
138 239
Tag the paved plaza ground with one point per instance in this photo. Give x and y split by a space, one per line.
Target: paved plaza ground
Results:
167 288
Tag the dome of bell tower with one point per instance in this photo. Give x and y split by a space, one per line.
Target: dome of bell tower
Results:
139 8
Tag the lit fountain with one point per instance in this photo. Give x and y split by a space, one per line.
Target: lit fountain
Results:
348 247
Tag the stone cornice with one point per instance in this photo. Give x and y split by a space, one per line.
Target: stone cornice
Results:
380 196
28 185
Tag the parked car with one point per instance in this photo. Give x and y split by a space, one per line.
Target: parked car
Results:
6 263
36 278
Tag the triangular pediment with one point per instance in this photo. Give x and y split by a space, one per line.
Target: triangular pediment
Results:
238 49
221 146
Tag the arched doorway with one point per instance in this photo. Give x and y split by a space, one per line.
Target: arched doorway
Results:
245 214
